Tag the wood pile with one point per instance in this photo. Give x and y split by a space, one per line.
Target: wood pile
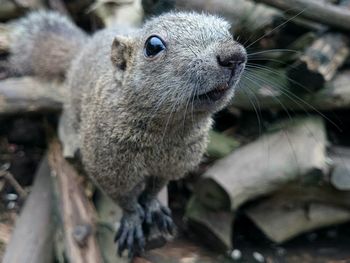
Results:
279 154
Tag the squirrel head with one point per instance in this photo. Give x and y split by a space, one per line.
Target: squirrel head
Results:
180 62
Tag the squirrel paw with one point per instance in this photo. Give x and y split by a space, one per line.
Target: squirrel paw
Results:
156 213
130 234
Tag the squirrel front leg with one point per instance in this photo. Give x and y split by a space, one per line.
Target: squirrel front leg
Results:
155 211
130 234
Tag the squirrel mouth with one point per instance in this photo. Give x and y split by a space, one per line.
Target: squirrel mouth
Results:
215 94
219 91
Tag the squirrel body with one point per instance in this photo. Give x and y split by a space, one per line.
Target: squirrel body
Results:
140 101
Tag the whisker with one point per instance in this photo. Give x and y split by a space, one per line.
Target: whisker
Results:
298 100
274 50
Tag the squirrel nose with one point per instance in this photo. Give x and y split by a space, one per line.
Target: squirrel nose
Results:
230 61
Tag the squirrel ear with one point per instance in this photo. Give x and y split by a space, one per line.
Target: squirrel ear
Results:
121 51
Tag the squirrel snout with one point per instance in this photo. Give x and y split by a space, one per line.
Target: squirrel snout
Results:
233 59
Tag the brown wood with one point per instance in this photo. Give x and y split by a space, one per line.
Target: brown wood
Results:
320 62
119 13
181 251
13 182
32 238
213 227
77 212
318 11
30 4
288 214
5 233
247 18
109 214
340 162
4 39
25 95
9 10
265 165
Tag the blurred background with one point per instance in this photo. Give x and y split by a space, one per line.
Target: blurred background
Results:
274 185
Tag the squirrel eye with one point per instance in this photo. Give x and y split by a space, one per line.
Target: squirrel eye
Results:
153 46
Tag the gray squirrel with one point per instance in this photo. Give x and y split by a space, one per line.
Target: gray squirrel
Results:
140 101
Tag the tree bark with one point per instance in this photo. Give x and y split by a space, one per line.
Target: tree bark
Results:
320 61
25 95
214 227
32 239
340 173
318 11
77 212
296 210
260 167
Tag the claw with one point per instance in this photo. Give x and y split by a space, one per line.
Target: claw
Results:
130 234
156 213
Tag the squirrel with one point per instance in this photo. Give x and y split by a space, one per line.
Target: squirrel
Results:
140 101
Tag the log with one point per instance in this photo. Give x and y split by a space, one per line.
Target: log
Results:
181 251
27 94
340 173
5 233
249 20
30 4
77 213
4 39
294 211
273 94
325 13
320 61
13 182
119 12
109 214
211 226
9 10
296 151
32 239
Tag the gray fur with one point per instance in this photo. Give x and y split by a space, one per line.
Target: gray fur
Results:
144 121
43 44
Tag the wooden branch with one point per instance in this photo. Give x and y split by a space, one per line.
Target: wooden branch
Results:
272 94
265 165
13 182
32 239
340 174
109 214
284 216
5 233
25 95
119 12
214 227
247 18
9 10
181 251
78 215
30 4
318 11
320 61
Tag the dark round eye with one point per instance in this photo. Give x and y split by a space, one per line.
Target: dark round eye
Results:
153 46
